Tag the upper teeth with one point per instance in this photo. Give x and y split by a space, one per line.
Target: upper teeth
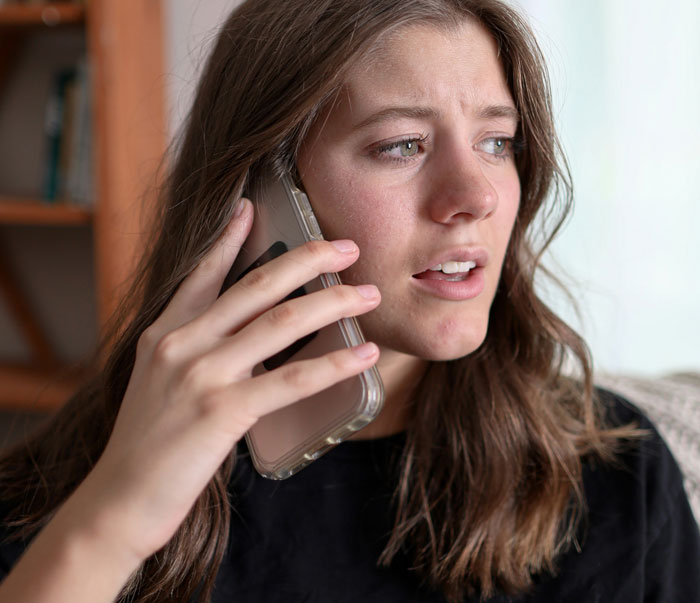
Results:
453 267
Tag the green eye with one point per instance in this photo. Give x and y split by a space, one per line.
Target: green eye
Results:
498 147
408 148
402 150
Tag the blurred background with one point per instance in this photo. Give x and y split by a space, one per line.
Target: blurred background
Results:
626 94
626 86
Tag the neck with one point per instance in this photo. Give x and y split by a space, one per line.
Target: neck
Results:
400 375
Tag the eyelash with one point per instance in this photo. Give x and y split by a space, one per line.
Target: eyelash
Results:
379 151
514 145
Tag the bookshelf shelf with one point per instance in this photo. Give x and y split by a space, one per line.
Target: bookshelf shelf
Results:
34 212
49 14
29 388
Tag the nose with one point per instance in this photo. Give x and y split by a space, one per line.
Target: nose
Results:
461 190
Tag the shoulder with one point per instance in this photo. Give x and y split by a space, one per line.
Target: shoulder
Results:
644 476
672 402
639 539
644 479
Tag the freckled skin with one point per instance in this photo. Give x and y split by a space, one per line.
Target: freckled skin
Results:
403 213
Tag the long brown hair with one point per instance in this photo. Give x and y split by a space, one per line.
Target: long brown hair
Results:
489 486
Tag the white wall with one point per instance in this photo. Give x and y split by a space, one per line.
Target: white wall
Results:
191 26
627 94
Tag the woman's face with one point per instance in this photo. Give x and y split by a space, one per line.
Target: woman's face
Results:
414 163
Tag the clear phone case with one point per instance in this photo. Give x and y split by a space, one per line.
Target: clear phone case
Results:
286 440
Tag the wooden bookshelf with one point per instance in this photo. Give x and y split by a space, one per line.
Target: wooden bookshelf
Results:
124 44
49 14
32 388
36 212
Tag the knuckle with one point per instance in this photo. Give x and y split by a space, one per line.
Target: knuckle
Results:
209 263
337 362
297 378
209 402
317 250
147 340
282 315
257 279
347 294
167 348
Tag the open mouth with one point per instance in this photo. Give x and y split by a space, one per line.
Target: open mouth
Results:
449 271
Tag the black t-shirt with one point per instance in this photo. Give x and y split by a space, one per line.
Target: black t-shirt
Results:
316 537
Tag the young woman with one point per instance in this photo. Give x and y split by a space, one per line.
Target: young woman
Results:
422 132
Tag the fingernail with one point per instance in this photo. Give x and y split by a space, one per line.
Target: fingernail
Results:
345 246
240 206
367 291
365 350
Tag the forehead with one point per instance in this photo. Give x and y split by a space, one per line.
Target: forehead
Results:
428 63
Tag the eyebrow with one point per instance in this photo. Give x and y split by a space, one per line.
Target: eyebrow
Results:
395 112
496 111
487 112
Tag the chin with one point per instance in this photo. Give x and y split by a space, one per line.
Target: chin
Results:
453 351
448 341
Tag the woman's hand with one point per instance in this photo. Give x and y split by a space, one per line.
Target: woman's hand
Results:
191 395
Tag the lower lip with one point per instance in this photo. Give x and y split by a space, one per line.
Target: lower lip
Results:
468 288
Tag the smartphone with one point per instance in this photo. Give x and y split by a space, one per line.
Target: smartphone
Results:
288 439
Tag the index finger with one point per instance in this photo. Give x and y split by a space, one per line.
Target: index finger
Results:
201 287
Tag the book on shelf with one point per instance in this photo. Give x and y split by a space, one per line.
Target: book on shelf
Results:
68 138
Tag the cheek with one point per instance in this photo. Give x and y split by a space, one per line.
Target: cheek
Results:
509 195
349 206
